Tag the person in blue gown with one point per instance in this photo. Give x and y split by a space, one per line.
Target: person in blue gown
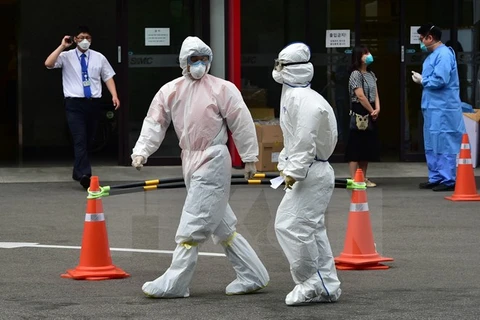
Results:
441 107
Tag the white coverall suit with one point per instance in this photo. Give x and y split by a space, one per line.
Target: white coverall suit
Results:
310 134
201 110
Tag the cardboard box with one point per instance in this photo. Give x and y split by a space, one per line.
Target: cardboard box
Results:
254 97
269 133
270 143
268 156
262 113
472 124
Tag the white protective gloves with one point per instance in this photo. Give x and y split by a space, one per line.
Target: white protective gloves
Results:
416 77
250 170
138 162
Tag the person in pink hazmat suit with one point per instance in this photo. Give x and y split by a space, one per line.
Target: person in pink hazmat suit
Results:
202 107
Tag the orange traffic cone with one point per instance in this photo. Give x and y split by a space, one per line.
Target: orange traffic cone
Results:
95 260
465 187
359 251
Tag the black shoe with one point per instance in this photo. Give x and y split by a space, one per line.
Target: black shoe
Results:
428 185
85 182
444 187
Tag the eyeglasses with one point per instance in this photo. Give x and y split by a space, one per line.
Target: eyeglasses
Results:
280 64
83 38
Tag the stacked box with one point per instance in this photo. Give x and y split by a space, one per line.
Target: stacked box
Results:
472 123
270 143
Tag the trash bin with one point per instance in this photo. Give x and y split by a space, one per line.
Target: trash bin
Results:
472 124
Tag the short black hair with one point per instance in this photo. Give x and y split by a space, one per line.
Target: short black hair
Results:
357 54
83 29
430 29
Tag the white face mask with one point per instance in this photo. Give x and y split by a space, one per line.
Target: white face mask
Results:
277 76
198 70
84 44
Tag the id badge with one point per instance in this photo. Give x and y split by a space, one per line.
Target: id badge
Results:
86 83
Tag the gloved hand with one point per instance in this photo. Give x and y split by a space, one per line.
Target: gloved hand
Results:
416 77
250 170
289 182
138 162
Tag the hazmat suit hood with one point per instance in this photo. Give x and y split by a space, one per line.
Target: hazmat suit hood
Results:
193 46
297 74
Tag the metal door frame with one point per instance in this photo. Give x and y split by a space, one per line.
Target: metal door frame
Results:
403 70
124 151
122 60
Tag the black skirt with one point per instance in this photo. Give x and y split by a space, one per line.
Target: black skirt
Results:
363 145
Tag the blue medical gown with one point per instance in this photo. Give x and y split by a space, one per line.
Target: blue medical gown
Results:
441 106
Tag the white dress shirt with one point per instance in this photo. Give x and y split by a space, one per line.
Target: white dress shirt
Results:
98 69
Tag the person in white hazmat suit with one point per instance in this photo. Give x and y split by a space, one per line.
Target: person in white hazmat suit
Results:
201 107
310 134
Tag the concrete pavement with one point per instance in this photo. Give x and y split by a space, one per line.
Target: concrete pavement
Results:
434 244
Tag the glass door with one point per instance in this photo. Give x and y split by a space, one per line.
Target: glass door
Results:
332 64
467 47
9 106
380 32
416 13
155 31
263 36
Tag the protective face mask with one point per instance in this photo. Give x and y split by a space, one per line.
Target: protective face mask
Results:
84 44
198 70
423 47
277 76
368 59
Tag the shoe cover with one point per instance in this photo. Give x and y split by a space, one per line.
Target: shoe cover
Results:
150 286
311 291
241 287
175 281
251 273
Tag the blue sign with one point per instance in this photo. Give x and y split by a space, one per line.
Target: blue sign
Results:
348 51
410 50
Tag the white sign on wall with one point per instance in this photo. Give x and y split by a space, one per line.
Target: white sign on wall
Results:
414 36
157 36
275 156
337 39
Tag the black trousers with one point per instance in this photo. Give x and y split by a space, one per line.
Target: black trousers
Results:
82 118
